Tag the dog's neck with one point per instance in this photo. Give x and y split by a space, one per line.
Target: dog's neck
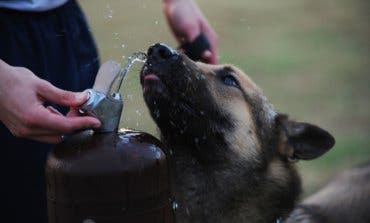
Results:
221 190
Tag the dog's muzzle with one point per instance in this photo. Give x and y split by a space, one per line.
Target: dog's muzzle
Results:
159 53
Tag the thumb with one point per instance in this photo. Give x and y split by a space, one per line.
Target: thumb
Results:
56 95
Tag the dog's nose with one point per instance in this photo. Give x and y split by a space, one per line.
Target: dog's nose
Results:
161 52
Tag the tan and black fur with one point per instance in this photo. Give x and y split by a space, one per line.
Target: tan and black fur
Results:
233 154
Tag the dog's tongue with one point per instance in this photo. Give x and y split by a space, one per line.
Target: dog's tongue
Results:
152 77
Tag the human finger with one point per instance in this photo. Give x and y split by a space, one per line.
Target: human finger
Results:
53 94
51 139
73 112
207 57
62 124
212 38
53 110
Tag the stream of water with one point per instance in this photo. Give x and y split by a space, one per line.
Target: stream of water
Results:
138 56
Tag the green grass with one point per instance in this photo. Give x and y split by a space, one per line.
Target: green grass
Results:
310 57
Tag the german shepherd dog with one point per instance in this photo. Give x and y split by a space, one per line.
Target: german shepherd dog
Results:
233 154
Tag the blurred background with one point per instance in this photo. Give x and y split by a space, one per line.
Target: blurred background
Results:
311 57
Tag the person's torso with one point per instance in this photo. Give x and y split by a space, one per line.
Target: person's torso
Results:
31 5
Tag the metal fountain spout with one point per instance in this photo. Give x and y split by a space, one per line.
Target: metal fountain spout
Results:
104 104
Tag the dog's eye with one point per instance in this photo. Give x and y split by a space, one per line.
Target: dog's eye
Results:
230 80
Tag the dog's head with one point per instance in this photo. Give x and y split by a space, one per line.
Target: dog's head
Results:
217 116
193 102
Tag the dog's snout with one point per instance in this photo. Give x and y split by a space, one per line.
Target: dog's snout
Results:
161 52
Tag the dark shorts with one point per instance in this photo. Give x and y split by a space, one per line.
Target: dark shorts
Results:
57 46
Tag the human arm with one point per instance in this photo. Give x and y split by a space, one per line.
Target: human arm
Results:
187 22
22 110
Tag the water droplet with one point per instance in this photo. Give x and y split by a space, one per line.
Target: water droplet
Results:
130 97
123 45
175 205
115 36
156 113
108 12
196 140
187 211
124 139
156 22
158 154
138 112
202 112
153 148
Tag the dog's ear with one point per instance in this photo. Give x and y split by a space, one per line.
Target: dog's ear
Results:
298 140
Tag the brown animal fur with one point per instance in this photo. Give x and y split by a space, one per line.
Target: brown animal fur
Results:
344 199
232 152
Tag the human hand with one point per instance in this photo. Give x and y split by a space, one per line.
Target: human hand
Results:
187 22
22 110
